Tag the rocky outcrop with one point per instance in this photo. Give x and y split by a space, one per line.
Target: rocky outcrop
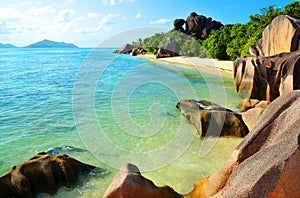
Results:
129 183
168 49
251 116
212 120
282 35
266 78
178 25
266 163
247 104
43 173
137 51
200 26
125 49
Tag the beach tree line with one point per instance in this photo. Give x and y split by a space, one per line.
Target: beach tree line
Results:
228 43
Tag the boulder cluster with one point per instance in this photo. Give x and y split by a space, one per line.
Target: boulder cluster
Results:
266 163
196 25
273 69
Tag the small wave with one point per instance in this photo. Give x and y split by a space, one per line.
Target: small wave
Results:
65 149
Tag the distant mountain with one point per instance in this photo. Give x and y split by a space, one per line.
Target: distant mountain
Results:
7 45
51 44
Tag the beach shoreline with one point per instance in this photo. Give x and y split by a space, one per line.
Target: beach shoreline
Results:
223 68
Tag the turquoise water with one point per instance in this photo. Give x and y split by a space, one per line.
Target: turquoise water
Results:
134 104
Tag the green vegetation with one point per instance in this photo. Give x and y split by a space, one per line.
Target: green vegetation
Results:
228 43
235 42
185 46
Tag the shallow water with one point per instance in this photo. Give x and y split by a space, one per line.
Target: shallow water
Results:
132 104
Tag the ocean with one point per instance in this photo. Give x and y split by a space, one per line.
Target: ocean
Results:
107 109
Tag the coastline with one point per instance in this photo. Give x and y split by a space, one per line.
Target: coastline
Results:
209 65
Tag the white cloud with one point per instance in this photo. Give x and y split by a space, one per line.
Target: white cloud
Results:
138 15
115 2
108 2
70 1
40 11
108 19
10 13
160 21
64 15
92 15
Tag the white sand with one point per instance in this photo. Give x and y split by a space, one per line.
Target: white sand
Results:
224 68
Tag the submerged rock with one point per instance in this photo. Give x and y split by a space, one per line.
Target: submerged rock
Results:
212 120
266 163
43 173
129 183
282 35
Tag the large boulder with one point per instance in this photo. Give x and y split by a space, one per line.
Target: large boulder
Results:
211 119
125 49
178 25
282 35
43 173
266 163
266 78
168 49
201 26
129 183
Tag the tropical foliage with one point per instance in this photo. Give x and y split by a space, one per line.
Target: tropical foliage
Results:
228 43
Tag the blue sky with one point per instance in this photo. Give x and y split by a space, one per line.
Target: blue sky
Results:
87 23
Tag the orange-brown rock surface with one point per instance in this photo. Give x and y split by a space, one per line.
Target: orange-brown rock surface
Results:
282 35
266 78
129 183
43 173
247 104
266 163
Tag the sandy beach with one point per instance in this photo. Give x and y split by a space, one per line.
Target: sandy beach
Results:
224 68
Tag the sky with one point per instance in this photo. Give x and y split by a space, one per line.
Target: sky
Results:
90 23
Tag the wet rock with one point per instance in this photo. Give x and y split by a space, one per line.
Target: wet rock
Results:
43 173
282 35
266 163
129 183
212 120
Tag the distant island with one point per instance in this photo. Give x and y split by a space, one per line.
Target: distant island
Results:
7 45
43 44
